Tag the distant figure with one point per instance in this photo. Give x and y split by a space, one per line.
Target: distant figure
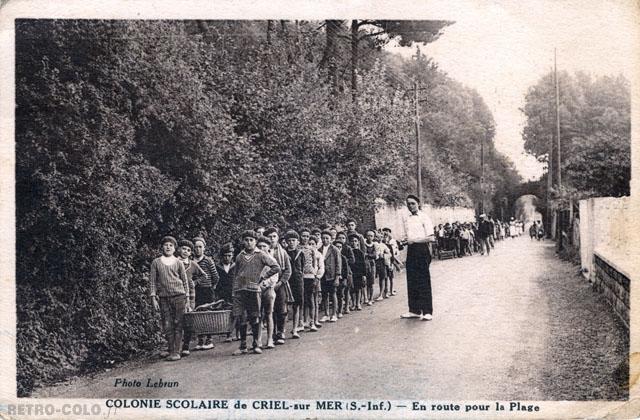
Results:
512 229
540 230
533 230
484 230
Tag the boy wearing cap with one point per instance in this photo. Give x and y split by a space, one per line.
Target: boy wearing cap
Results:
346 282
248 273
267 293
205 285
371 255
383 262
358 270
392 244
318 263
224 290
347 252
331 278
308 279
484 230
193 270
282 287
168 289
296 280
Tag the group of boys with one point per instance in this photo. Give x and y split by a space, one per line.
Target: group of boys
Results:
274 278
474 237
178 283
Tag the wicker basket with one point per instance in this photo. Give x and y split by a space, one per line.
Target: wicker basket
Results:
208 322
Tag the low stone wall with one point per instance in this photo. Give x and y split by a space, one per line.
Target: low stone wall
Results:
614 284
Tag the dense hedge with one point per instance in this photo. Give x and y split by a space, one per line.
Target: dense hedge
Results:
130 131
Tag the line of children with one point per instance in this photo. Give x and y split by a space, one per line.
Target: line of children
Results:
318 269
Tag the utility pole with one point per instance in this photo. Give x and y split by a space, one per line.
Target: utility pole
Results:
559 227
548 232
555 73
418 154
549 185
482 175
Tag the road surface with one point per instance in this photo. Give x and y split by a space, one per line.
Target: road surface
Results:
507 326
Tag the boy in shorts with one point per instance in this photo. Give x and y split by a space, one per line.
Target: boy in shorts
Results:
309 279
282 287
383 262
358 270
268 294
205 285
346 282
331 278
185 248
392 244
296 281
318 263
371 255
248 273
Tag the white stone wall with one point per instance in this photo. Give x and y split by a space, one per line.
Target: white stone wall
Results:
605 227
391 217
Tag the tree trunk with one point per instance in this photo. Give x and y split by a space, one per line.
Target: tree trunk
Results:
330 52
269 30
354 59
284 29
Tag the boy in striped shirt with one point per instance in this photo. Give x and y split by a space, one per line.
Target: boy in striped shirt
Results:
248 273
169 289
193 270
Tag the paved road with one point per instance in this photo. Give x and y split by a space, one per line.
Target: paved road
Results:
488 340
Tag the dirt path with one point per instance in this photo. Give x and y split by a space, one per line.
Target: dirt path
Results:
502 329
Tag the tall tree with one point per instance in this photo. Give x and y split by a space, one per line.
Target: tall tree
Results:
406 32
595 131
330 58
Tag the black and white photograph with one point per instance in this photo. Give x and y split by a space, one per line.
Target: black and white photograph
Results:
319 211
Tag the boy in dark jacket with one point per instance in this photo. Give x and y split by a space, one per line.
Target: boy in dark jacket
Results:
296 281
346 282
358 270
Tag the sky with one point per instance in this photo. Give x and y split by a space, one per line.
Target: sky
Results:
501 48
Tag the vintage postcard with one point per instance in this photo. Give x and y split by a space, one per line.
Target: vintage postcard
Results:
241 209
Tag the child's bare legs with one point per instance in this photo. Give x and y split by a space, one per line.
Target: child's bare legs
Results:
269 319
381 286
296 319
340 308
334 300
325 302
316 306
256 330
346 300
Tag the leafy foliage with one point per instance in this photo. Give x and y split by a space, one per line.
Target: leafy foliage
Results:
595 132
